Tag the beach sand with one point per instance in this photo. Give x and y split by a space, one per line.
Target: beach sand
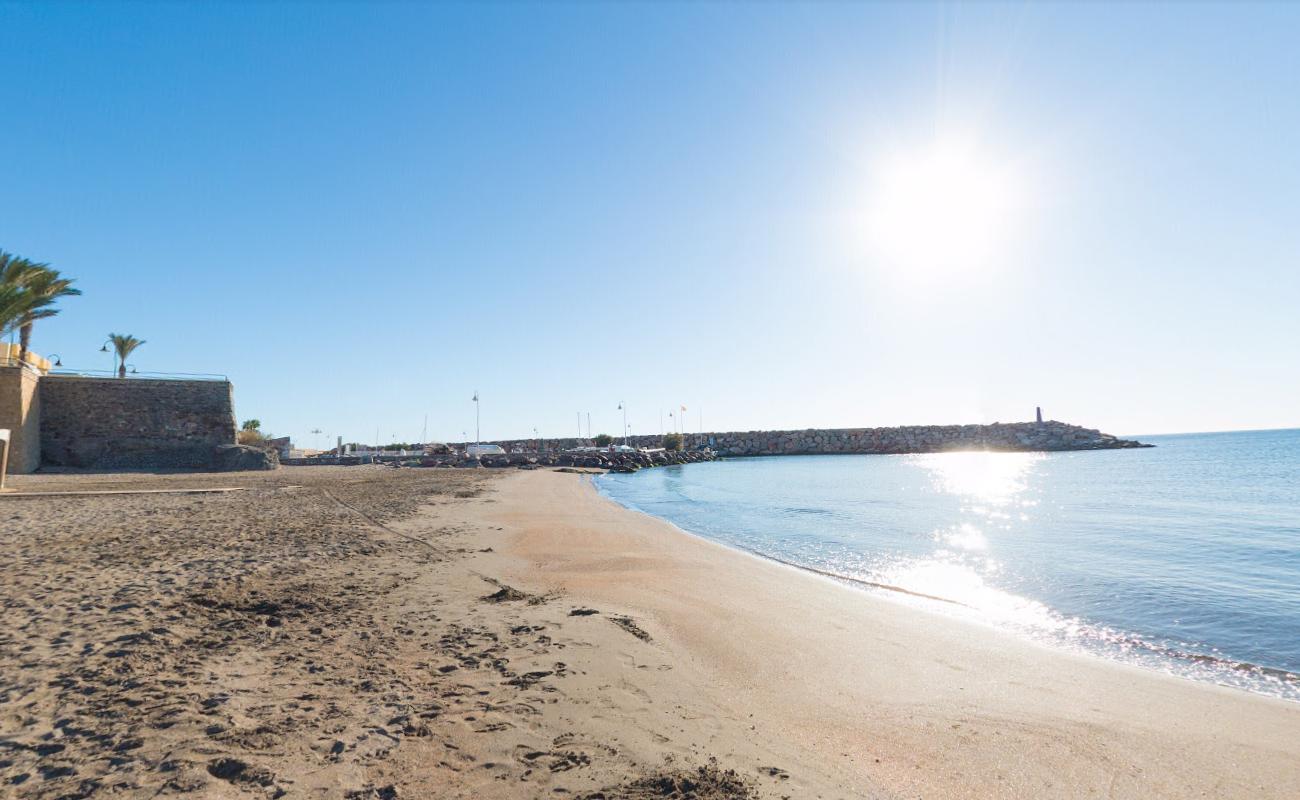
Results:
368 632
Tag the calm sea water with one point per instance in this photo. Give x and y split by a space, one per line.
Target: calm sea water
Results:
1184 557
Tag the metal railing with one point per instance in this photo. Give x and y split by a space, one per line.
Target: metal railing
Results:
156 376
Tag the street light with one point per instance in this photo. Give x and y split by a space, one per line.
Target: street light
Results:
623 407
476 417
103 348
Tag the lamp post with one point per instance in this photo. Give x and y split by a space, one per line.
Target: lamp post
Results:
103 348
623 407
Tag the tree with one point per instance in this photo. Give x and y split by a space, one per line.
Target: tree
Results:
672 441
604 440
14 300
29 290
45 287
124 345
13 305
250 432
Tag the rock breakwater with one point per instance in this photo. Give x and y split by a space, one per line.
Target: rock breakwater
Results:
1015 436
612 461
1047 436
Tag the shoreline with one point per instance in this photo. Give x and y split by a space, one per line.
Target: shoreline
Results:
903 595
359 633
1074 724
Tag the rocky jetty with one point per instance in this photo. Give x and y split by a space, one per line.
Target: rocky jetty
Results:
612 461
1046 436
1049 436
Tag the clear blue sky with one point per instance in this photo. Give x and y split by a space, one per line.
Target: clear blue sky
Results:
363 213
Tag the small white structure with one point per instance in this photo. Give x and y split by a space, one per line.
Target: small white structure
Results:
4 456
485 450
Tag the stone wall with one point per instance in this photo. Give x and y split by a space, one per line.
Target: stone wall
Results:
1009 436
20 412
134 423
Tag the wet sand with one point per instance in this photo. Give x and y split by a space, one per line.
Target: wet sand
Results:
366 632
855 695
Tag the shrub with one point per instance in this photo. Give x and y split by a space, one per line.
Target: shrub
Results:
604 440
673 441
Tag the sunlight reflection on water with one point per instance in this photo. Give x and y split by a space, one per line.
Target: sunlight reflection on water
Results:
1181 558
993 478
986 484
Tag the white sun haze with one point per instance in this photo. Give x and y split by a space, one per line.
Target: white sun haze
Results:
941 212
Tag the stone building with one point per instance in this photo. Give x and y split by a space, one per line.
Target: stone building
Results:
111 423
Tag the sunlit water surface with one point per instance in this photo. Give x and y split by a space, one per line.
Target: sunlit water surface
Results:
1184 557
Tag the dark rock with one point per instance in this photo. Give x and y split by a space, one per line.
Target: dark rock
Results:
241 457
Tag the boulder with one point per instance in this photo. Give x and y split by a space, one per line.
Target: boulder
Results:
241 457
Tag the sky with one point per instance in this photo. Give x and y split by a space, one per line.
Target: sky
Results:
778 216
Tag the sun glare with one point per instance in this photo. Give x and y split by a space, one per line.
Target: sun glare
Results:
942 212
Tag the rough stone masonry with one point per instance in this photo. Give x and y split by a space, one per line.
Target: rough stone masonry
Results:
1009 436
115 423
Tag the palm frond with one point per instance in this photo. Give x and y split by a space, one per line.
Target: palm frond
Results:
124 344
32 289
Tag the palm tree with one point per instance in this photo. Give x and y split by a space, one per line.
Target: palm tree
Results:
15 301
13 305
32 290
43 288
124 346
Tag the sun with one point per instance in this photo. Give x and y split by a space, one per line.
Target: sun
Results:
942 212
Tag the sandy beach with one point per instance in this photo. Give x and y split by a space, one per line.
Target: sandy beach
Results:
368 632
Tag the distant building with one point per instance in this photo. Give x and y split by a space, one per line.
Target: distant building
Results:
281 445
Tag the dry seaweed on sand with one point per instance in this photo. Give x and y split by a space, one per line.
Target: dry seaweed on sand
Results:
628 624
709 782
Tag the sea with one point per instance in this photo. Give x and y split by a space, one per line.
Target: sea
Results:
1183 558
